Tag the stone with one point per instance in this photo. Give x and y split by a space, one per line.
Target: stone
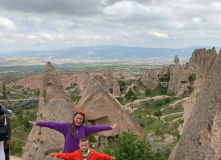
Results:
176 60
116 88
164 71
179 82
86 81
54 103
150 79
103 109
109 82
201 136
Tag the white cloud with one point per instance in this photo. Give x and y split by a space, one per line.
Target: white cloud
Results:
147 23
158 34
7 24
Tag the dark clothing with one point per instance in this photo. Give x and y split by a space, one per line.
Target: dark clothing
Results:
9 132
7 157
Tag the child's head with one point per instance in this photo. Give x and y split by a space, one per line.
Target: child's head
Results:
84 144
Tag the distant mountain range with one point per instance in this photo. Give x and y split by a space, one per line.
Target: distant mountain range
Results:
91 54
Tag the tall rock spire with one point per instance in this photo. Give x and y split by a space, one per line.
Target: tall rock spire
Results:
103 109
54 105
201 135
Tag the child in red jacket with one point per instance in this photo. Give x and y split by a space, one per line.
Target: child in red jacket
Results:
84 153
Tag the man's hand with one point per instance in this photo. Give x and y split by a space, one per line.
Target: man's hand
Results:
113 158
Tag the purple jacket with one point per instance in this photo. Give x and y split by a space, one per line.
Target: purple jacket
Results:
71 143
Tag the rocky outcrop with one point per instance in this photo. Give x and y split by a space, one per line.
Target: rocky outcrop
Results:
201 135
33 82
111 83
54 103
164 71
203 61
86 81
178 80
103 109
150 79
176 59
116 88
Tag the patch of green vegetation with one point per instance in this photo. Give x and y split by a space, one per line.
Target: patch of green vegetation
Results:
75 98
160 90
127 146
171 118
170 110
192 78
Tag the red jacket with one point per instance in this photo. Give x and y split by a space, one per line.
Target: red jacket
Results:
77 156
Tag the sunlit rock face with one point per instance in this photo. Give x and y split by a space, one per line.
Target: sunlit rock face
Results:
54 105
201 136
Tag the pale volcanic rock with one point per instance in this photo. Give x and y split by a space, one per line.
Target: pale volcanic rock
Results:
204 62
200 64
109 81
164 71
178 80
176 59
32 82
201 136
54 103
103 109
86 81
150 79
116 88
168 138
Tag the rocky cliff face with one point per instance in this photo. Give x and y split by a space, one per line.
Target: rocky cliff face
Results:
204 61
54 103
178 80
150 79
201 136
103 109
33 82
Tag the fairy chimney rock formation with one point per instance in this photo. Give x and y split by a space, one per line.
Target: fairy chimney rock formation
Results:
103 109
116 88
179 79
176 59
150 79
201 136
86 81
54 103
164 71
205 60
109 82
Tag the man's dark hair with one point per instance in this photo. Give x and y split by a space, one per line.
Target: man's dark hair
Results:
84 139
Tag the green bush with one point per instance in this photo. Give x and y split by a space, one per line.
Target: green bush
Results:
128 147
192 78
158 113
16 148
129 94
92 138
122 85
148 92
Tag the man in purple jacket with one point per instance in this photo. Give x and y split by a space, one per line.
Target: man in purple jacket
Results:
74 131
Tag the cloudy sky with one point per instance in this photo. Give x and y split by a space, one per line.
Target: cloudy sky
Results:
55 24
